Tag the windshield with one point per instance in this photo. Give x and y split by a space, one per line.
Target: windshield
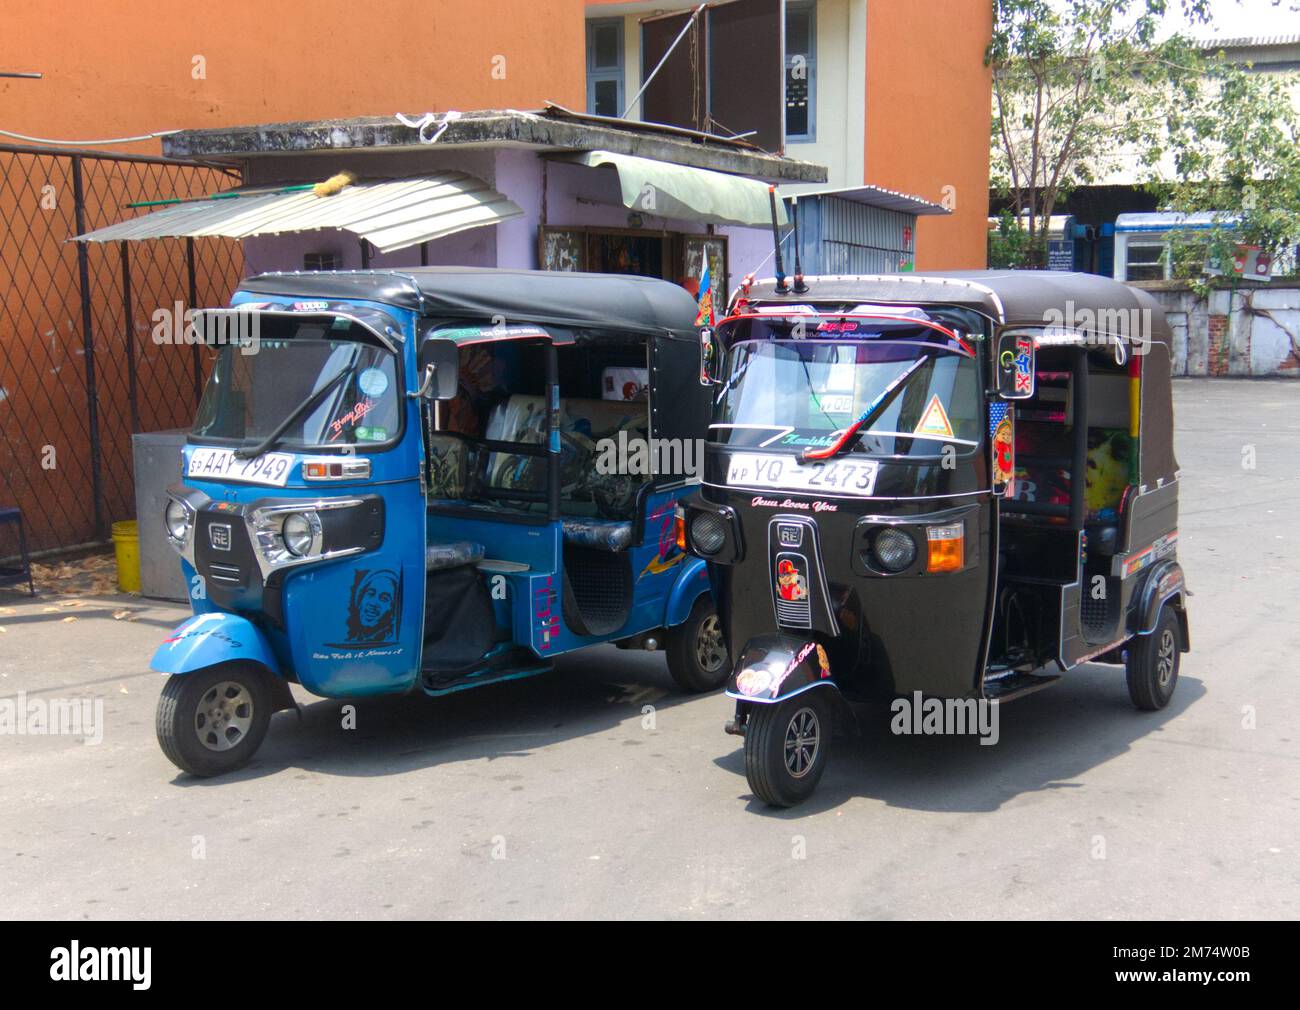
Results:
802 393
248 396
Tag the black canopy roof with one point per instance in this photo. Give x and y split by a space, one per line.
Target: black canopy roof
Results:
1014 297
578 300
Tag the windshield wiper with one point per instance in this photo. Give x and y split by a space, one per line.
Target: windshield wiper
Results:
312 401
867 418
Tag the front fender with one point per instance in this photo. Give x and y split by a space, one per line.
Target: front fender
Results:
775 667
692 583
207 639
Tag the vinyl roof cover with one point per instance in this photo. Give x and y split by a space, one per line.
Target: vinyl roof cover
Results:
1013 297
620 302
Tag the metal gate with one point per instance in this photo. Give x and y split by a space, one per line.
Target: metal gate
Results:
88 348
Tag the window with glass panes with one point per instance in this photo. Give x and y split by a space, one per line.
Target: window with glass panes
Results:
605 67
800 70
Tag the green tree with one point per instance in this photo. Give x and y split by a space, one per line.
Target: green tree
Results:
1237 154
1075 83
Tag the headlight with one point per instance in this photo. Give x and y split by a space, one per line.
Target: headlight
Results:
894 550
177 518
708 533
297 533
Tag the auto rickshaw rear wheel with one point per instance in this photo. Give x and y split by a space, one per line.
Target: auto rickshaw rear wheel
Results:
696 650
1152 666
212 721
787 747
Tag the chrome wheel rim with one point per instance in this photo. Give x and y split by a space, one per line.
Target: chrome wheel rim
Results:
1166 654
710 652
802 742
224 715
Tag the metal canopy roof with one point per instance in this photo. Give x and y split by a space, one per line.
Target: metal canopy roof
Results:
683 192
878 196
390 215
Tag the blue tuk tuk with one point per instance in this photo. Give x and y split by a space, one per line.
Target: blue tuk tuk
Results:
432 480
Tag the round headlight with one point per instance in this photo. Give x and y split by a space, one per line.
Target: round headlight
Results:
177 518
708 533
297 533
894 550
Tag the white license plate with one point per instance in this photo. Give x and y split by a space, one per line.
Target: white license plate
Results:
833 476
270 468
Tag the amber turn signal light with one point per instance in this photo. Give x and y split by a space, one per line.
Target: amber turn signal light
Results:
679 530
947 548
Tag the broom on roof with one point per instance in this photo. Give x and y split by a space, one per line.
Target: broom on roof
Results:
334 184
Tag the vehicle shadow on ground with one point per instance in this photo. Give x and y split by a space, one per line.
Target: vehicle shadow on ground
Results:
1046 739
587 693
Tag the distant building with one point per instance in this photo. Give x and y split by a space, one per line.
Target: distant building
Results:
888 96
1116 228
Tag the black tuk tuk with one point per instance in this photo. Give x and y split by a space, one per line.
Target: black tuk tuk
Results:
934 486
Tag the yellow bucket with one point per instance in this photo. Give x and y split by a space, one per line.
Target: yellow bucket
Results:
126 543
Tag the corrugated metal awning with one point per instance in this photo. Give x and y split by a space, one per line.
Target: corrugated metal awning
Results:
878 196
390 215
682 192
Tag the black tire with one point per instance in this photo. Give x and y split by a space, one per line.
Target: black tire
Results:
1152 667
206 733
781 767
696 650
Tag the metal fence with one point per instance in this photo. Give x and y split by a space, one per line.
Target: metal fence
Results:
86 357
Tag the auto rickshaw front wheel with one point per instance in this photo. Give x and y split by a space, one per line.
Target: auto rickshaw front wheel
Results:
696 650
212 721
1152 666
787 747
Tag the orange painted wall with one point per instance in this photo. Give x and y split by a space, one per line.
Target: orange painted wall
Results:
927 111
124 68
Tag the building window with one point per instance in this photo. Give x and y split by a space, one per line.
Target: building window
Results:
1145 263
605 67
800 70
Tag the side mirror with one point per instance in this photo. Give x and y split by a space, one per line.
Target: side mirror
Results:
439 369
708 357
1015 366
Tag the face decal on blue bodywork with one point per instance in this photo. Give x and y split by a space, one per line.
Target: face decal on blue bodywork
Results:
374 608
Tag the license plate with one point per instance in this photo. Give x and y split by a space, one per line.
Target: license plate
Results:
832 476
271 468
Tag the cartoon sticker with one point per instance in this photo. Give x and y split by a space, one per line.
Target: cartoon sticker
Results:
790 582
1002 430
934 421
824 662
753 680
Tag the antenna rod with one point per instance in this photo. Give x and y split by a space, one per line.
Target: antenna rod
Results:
781 288
799 286
660 65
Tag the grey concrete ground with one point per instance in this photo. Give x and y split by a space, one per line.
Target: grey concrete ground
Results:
550 798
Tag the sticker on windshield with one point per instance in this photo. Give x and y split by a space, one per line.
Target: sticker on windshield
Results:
370 433
373 382
834 403
935 420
